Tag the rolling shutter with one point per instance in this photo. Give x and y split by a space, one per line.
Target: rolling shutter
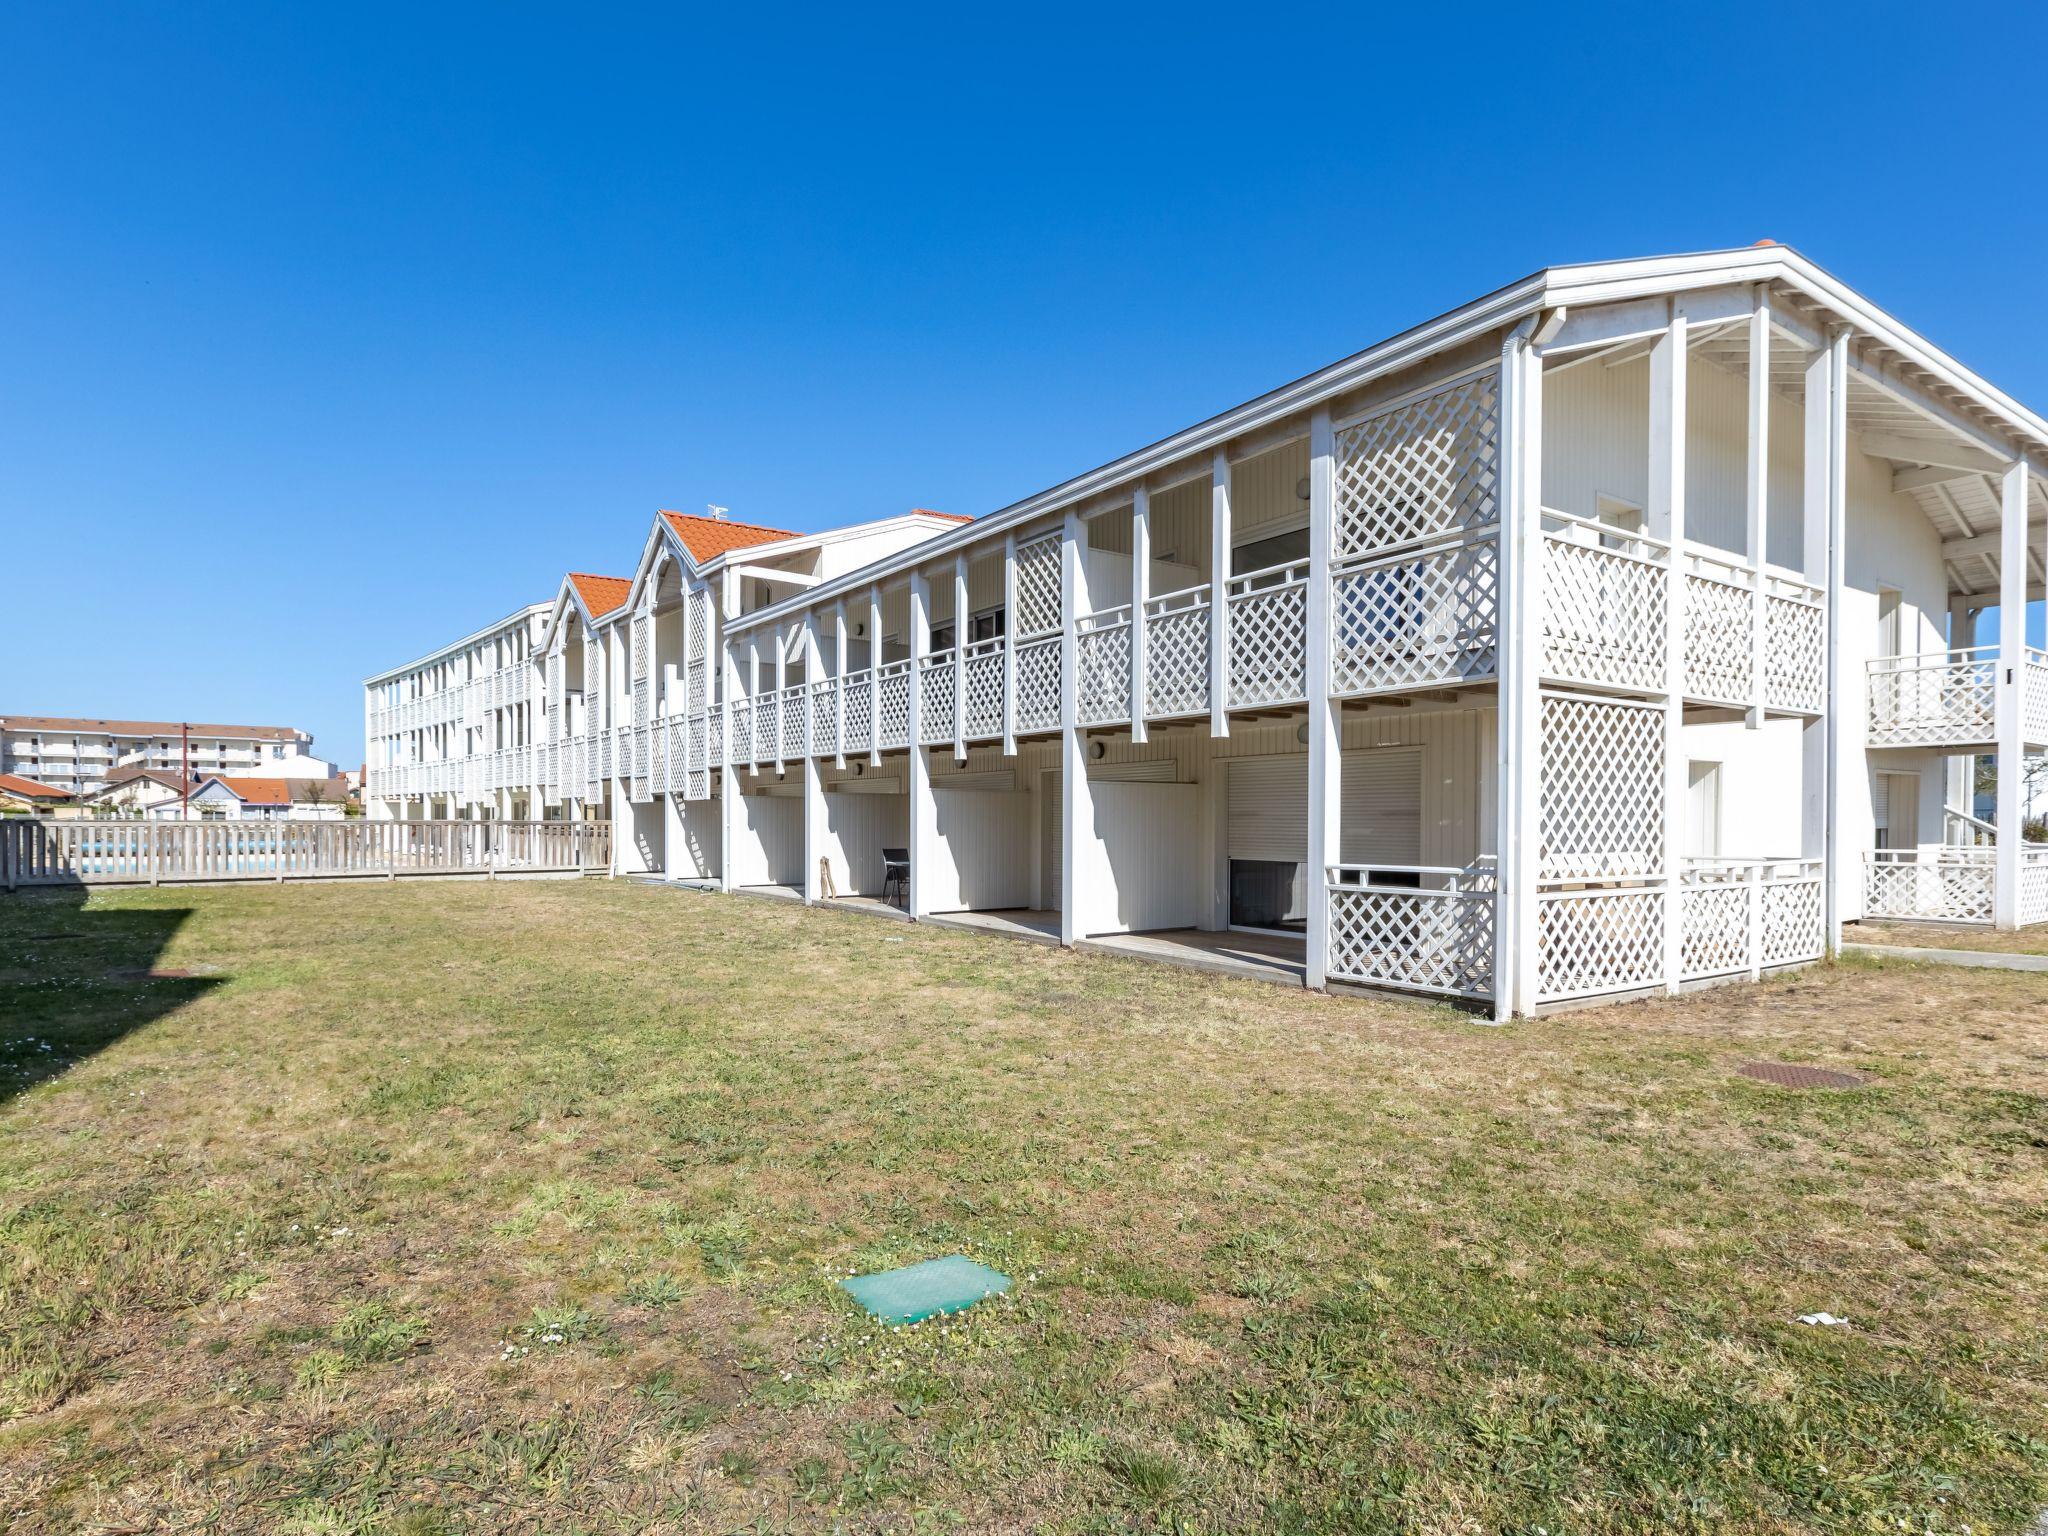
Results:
1268 811
1382 807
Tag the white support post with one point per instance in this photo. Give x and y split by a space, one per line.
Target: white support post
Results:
960 628
1077 803
2010 704
1325 714
1665 516
781 643
753 698
1824 504
728 776
924 812
1141 589
1219 594
1010 643
875 675
814 829
1517 748
1753 918
839 686
1758 492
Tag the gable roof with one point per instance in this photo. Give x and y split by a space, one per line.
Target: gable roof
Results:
256 791
706 538
599 595
131 772
30 789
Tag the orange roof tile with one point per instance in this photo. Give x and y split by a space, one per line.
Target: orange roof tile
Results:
706 538
259 791
15 784
951 517
600 594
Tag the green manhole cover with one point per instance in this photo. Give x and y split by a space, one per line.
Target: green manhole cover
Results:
919 1291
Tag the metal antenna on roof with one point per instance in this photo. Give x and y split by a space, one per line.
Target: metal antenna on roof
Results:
717 512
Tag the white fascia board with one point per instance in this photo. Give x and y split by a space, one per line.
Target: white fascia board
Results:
519 616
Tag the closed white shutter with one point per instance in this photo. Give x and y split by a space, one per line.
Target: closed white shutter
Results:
1703 809
1382 807
1881 803
1155 771
1268 810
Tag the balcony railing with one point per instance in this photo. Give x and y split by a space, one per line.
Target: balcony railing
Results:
1946 699
1269 635
1743 915
1416 927
1943 885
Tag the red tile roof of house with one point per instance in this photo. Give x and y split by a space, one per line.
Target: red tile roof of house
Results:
65 725
951 517
706 538
30 789
259 791
600 594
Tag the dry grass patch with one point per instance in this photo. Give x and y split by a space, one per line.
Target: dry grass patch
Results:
520 1208
2023 941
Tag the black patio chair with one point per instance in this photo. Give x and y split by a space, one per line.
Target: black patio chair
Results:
896 873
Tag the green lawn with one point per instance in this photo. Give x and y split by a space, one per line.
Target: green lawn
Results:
519 1208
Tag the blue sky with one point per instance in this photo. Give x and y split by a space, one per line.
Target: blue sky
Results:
329 334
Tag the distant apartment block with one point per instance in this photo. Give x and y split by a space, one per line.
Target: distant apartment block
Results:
77 755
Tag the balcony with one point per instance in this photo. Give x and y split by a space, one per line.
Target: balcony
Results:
1949 699
1950 885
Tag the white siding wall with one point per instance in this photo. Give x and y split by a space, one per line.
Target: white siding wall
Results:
858 826
769 841
983 861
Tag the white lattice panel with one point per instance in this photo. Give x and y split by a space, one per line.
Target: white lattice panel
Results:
825 716
1933 889
1038 586
1103 662
1933 703
697 658
1269 645
1422 469
1177 661
793 717
1600 799
895 704
696 745
1038 684
768 728
557 693
1589 942
1717 639
1602 613
1792 921
935 700
985 690
1429 941
1793 677
742 712
2033 886
860 713
2034 706
1431 618
714 738
1714 929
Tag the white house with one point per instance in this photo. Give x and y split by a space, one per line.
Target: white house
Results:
78 754
1608 634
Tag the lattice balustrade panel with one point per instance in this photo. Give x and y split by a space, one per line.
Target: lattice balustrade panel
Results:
1038 685
641 667
1600 800
697 658
2033 887
1932 704
1430 619
1432 941
1038 586
1714 929
935 701
985 694
1954 892
695 689
1177 662
1103 662
642 742
696 743
767 729
895 704
1598 941
794 718
1425 468
742 712
556 695
825 716
1602 613
860 714
1269 646
2034 702
714 738
1717 640
1792 655
1792 921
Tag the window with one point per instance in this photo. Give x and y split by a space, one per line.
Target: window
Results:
1275 549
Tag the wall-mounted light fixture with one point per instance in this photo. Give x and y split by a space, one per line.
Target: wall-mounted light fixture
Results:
1301 489
1096 751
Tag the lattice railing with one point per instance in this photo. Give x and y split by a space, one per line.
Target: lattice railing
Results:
2034 885
1938 700
1719 600
1269 635
1102 660
1429 616
1435 935
860 712
1038 587
1177 653
1419 469
767 727
1948 885
641 743
1794 918
894 725
1594 941
1600 796
1795 624
2034 701
935 698
1604 596
793 707
1714 914
984 682
714 739
824 707
1038 683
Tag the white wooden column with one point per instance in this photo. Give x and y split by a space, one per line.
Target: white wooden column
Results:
1665 517
1835 739
1517 746
1077 803
1758 492
960 658
814 780
1010 644
839 686
924 810
1141 589
1325 714
781 643
1219 594
753 697
875 675
728 690
2010 707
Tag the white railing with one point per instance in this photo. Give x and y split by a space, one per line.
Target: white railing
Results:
1038 683
1944 885
935 698
1102 666
1959 829
824 707
35 852
860 711
1945 699
1416 617
1720 600
1177 653
1269 635
1605 593
2034 698
1745 915
792 707
892 680
1795 622
982 675
2033 885
1418 927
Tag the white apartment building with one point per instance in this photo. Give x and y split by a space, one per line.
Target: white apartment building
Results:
78 754
1612 633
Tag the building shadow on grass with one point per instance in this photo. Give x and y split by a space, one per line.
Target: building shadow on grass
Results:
74 980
